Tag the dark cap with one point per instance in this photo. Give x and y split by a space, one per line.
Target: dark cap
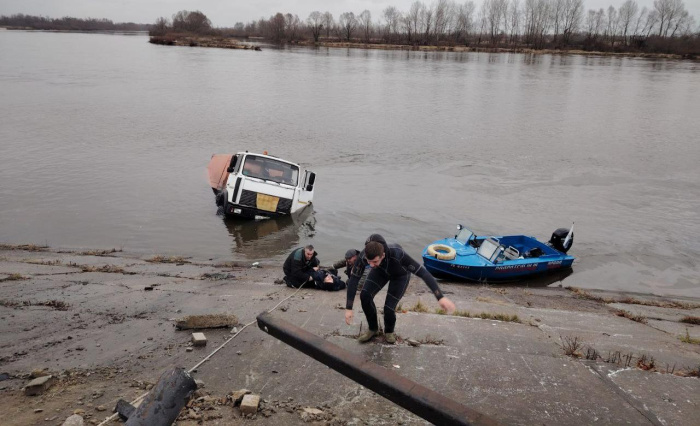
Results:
350 253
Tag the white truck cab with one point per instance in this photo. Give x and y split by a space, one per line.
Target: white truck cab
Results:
250 185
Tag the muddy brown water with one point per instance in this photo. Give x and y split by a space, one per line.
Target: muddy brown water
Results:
104 141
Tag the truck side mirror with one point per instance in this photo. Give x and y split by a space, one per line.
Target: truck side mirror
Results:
310 180
232 165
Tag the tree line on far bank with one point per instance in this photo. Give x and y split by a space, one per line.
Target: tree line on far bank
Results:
666 27
68 23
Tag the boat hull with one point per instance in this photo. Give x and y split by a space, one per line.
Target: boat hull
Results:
470 266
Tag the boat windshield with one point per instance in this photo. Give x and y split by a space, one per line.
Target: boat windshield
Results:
270 169
464 235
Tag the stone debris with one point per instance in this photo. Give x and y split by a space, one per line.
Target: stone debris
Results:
38 373
249 404
39 385
199 339
238 395
199 383
74 420
413 342
206 321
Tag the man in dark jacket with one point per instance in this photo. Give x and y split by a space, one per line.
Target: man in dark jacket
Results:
389 263
300 266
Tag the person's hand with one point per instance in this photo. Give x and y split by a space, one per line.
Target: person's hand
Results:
315 268
328 279
348 316
447 305
311 278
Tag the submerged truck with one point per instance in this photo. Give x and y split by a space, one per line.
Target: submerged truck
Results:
259 186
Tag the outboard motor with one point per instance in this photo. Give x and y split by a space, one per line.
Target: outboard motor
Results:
558 239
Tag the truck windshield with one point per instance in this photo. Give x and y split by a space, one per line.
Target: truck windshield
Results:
270 169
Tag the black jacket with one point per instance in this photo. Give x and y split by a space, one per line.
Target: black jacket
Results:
396 263
297 267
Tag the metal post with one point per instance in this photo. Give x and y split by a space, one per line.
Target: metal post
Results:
415 398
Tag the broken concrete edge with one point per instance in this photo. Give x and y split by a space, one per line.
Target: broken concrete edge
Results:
39 385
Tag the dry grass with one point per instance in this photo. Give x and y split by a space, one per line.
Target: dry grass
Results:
688 339
171 259
571 346
109 269
490 300
26 247
43 262
430 340
638 318
14 277
419 307
582 294
440 311
55 304
459 313
690 320
99 252
646 363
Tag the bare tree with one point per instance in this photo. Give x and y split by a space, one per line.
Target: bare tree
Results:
276 26
392 16
611 26
195 22
514 18
464 21
364 21
628 12
315 24
160 27
347 24
443 16
426 19
292 26
412 20
328 23
573 13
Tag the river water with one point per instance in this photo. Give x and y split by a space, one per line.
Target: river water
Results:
104 140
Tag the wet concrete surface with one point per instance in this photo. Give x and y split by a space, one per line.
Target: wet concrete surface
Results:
106 337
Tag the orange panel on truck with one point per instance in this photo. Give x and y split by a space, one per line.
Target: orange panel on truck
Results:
217 170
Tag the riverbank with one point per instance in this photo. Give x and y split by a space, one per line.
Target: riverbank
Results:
102 321
231 43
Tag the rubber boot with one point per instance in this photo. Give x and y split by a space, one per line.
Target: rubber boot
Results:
390 338
367 336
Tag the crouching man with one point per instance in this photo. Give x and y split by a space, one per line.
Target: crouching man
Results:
300 266
389 263
302 269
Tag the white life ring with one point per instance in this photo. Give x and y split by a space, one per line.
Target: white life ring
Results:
442 252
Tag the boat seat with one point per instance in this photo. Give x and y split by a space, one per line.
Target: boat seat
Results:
511 253
490 249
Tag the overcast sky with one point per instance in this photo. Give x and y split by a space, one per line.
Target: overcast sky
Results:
225 13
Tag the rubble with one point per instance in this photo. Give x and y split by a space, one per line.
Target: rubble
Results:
39 385
249 404
74 420
198 339
238 395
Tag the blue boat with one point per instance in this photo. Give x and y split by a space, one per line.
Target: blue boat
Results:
498 258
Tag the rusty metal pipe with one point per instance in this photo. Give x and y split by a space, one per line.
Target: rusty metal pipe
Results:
415 398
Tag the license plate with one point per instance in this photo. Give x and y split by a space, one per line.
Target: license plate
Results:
267 202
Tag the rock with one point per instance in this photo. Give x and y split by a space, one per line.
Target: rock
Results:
39 385
413 342
249 404
314 411
238 395
199 383
100 408
4 376
38 410
198 339
38 373
79 411
74 420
